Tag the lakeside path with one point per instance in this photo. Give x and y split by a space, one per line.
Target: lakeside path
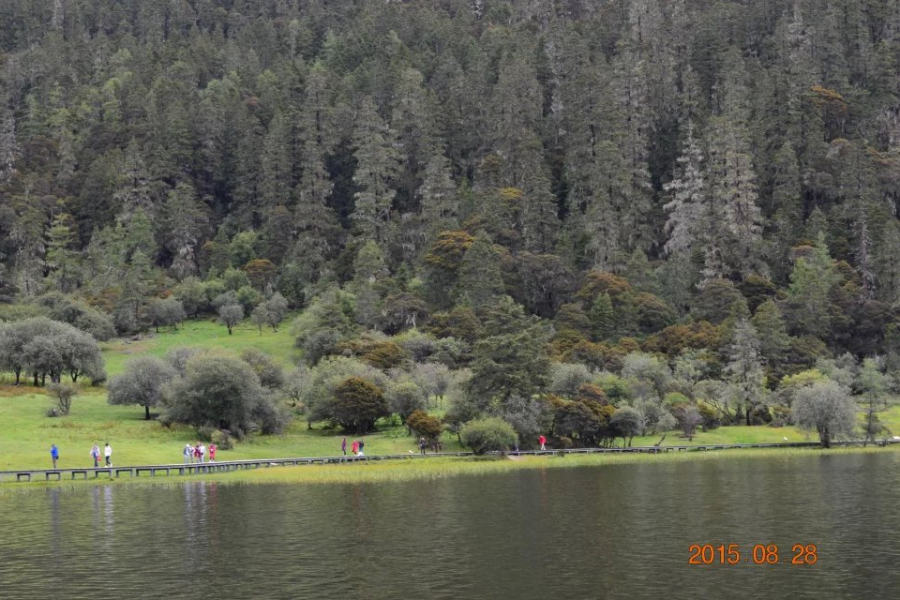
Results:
437 465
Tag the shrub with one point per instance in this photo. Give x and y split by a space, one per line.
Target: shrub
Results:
248 298
566 378
529 417
564 442
205 432
589 392
358 403
270 374
222 392
62 394
709 415
488 435
384 355
424 425
405 397
222 440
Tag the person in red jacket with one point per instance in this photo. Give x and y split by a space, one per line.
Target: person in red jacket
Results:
542 441
354 447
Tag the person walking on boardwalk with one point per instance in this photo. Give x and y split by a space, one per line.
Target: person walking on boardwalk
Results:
95 454
197 452
422 445
212 453
344 446
354 447
362 444
188 454
54 454
543 442
202 452
107 453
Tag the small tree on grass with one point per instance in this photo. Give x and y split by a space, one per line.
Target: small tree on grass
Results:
627 422
142 383
357 404
276 309
405 397
222 392
824 407
230 315
488 435
165 312
688 417
62 394
260 317
424 425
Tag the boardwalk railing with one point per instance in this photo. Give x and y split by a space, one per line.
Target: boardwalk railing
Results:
238 465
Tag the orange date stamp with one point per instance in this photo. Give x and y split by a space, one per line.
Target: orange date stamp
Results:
757 554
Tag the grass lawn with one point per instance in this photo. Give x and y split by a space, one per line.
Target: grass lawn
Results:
26 432
204 334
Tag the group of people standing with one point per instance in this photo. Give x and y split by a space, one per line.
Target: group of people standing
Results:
95 455
434 444
357 447
197 453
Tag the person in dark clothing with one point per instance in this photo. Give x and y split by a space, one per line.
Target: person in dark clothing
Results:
422 446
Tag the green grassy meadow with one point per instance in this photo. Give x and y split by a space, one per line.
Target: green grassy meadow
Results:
26 432
204 334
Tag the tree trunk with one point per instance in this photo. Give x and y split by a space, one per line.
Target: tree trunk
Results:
229 329
147 412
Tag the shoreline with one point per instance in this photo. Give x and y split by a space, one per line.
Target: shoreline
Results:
439 468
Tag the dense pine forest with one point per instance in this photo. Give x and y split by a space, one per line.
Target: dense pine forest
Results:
681 205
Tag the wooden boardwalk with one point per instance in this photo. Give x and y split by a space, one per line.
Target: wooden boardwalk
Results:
28 475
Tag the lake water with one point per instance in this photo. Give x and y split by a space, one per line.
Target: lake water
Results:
604 532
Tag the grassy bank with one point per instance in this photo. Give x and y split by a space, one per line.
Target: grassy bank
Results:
279 345
26 434
439 468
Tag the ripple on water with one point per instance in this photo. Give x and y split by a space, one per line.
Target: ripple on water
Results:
612 532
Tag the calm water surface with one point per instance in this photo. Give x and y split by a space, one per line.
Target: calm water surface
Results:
602 532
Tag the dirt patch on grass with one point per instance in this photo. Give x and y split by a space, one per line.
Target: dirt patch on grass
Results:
11 391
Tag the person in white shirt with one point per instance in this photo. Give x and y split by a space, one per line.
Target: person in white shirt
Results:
107 452
202 452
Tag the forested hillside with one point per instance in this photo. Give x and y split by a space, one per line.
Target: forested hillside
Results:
708 184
